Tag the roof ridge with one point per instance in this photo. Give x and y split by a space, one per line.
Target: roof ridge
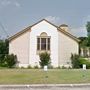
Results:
29 28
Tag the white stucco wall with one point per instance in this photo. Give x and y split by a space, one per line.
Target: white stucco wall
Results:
20 47
36 31
66 46
25 46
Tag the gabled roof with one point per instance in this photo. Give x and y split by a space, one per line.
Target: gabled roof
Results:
69 34
29 28
19 33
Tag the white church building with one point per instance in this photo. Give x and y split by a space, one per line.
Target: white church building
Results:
44 36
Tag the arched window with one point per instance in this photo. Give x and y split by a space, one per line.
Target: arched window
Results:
43 34
43 42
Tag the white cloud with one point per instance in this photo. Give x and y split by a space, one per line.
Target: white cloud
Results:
79 32
5 3
53 19
56 20
17 4
87 18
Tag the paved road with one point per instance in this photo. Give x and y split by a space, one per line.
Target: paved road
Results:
47 88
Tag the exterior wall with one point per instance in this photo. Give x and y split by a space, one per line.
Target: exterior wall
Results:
36 31
66 46
61 46
20 47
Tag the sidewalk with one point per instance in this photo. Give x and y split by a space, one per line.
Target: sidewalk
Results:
45 85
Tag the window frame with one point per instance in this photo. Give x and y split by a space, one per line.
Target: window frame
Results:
46 50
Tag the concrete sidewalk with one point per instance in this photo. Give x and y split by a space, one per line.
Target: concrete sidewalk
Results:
47 85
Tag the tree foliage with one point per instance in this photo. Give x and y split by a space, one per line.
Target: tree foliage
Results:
77 61
88 27
4 48
10 60
88 33
6 60
83 42
44 59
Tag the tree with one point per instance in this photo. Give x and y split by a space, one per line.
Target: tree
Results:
4 44
88 33
44 59
88 27
83 41
6 60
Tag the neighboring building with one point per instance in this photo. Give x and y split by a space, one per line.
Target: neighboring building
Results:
44 37
85 52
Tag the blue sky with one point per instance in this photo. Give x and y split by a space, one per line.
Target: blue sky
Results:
15 15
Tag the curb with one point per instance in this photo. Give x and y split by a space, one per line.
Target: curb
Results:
44 85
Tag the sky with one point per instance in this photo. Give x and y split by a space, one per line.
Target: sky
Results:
15 15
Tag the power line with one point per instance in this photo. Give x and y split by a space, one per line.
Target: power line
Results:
3 28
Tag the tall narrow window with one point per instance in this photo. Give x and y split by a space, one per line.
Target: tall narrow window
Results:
43 42
38 43
48 44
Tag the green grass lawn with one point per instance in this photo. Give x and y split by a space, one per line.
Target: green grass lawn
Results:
38 76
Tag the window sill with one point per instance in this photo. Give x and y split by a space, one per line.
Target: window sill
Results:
43 51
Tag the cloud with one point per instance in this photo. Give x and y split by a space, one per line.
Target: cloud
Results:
5 3
79 32
87 18
17 4
53 19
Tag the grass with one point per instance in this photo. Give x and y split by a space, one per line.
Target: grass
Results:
38 76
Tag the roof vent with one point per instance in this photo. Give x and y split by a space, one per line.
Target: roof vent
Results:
64 27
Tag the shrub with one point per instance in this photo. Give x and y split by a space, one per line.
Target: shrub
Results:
63 67
29 67
50 67
36 67
75 61
44 59
10 60
58 67
84 61
22 67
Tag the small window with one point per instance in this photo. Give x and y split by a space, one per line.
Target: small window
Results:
48 44
38 43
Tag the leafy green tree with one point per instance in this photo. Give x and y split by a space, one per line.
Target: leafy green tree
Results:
4 44
44 59
83 42
88 27
10 60
88 33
